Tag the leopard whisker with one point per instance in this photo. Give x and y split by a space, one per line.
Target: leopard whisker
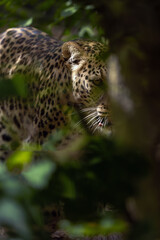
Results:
105 121
78 123
90 115
96 122
88 109
85 118
91 119
95 129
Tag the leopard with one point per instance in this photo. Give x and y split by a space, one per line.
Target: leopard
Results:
61 75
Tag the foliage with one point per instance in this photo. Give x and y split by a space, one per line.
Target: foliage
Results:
106 184
13 87
70 181
50 15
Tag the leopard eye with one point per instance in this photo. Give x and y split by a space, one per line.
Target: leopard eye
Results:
76 61
97 82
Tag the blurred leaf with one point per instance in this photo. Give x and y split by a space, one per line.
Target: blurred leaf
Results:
12 187
69 11
69 190
106 226
86 30
68 3
53 139
7 2
19 159
38 175
31 147
3 170
20 85
89 7
13 87
13 215
28 22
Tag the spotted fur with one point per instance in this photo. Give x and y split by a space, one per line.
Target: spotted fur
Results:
60 75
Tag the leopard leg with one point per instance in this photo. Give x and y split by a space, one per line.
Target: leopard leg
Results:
5 140
59 235
52 215
8 137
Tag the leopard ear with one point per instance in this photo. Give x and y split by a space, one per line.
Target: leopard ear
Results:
71 52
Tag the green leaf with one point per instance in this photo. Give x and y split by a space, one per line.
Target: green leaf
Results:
53 139
86 30
104 227
13 187
38 175
3 170
19 82
13 87
68 186
13 215
19 159
69 11
28 22
89 7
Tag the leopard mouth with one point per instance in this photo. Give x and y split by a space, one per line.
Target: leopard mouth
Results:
103 122
95 120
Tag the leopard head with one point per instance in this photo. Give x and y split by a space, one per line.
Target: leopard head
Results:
85 59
